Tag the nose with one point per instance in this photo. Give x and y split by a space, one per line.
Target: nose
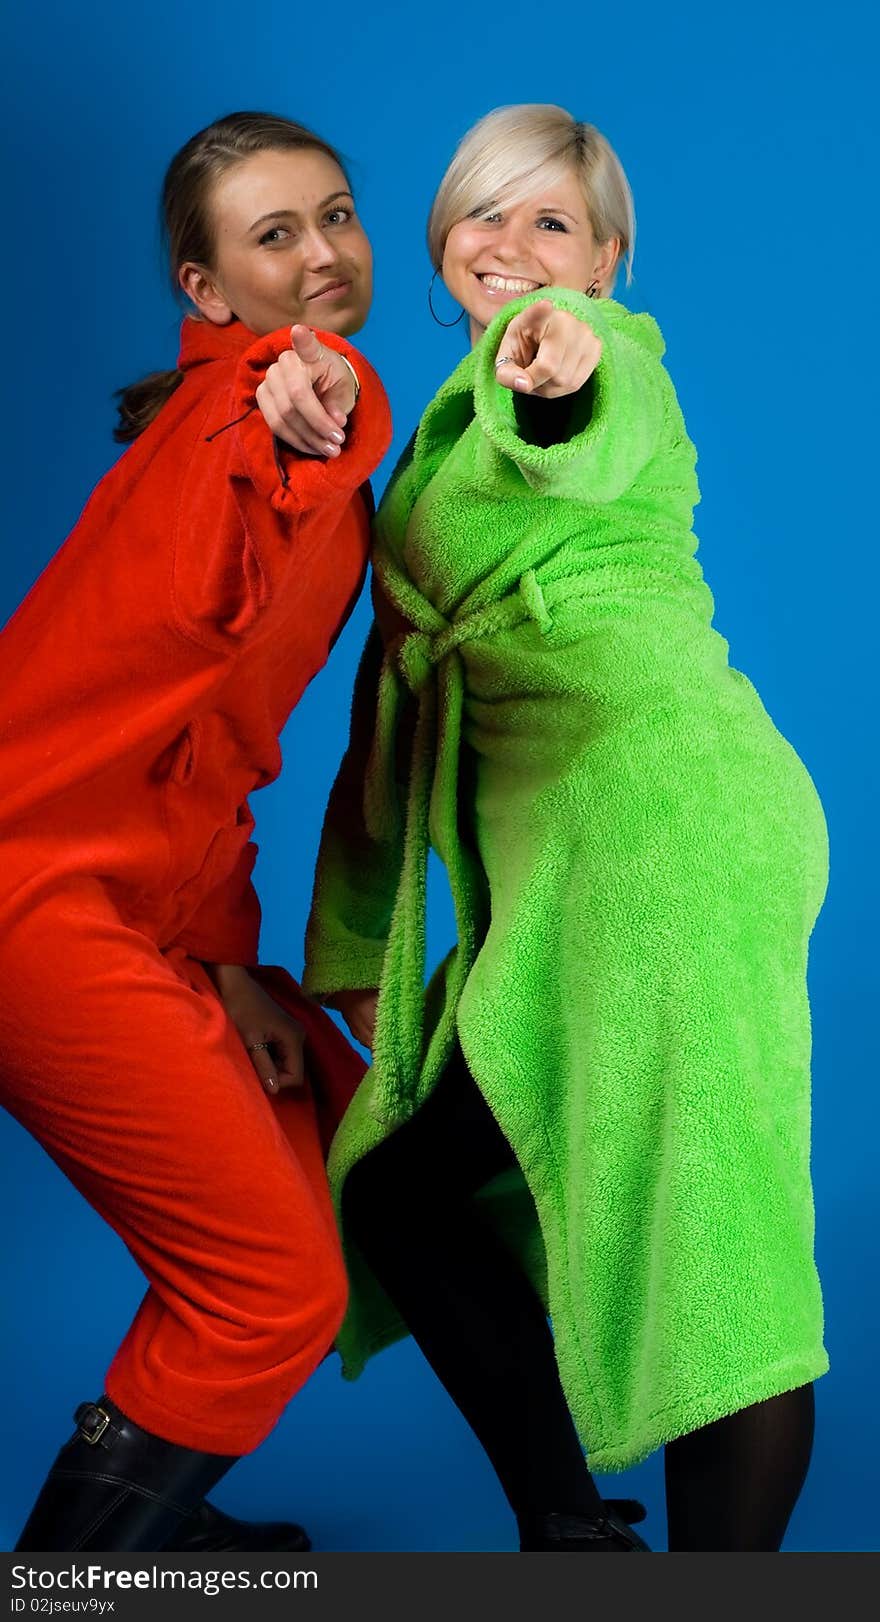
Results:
318 251
511 244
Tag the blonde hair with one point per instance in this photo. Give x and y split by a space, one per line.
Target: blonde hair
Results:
513 152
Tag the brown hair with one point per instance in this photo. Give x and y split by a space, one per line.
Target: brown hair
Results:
188 229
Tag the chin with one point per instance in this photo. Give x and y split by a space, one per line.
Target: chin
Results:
352 323
344 323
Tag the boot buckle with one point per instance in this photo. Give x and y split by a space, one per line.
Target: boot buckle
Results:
92 1422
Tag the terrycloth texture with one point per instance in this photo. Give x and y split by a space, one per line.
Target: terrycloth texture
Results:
123 1064
148 673
637 858
145 681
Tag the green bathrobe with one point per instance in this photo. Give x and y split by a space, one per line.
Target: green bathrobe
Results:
636 857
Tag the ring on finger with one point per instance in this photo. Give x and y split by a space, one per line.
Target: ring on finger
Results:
504 360
254 1047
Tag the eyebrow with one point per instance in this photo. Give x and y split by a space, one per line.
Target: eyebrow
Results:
543 208
291 213
550 208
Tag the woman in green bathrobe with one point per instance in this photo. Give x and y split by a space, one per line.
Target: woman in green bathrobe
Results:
600 1107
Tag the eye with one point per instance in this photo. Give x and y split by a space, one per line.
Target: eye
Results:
275 234
551 223
340 216
487 216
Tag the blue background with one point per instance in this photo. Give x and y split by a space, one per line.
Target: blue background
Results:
745 133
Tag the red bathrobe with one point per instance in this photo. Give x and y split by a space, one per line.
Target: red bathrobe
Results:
145 681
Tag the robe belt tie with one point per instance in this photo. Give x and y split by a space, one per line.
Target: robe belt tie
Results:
422 662
419 652
410 663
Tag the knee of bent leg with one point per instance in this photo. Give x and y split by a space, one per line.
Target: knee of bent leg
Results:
309 1298
334 1295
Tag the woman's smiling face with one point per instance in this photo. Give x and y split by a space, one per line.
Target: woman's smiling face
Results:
288 247
506 251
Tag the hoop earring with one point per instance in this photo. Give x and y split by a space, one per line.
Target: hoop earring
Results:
440 323
593 290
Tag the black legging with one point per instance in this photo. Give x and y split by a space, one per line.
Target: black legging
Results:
410 1206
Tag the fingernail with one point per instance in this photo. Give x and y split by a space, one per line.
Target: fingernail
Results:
339 438
331 450
520 382
270 1085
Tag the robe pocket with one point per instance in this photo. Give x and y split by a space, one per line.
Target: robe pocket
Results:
185 755
220 580
205 813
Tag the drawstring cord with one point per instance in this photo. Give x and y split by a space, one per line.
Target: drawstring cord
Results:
281 469
233 424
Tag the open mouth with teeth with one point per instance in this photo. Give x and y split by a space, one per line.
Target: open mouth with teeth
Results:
508 286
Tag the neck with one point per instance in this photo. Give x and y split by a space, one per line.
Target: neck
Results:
476 331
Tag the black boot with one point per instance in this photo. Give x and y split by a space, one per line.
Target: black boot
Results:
115 1486
208 1531
608 1533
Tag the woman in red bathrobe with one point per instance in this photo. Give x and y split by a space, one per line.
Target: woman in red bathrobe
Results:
187 1093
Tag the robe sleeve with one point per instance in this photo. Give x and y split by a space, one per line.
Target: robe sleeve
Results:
616 427
357 876
245 496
